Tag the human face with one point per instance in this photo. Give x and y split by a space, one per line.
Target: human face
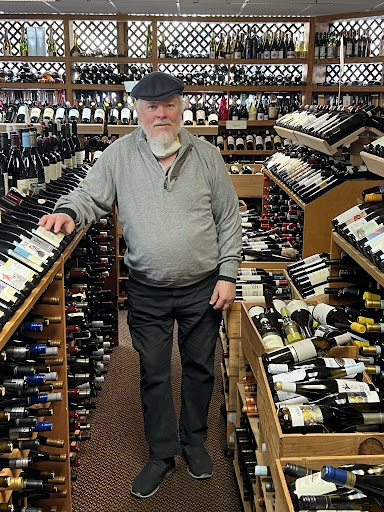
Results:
161 119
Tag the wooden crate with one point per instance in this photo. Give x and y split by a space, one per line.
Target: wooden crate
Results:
283 499
291 445
250 335
232 316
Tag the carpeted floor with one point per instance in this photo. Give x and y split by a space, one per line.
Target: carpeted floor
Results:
118 450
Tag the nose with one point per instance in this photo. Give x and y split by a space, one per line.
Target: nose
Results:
161 111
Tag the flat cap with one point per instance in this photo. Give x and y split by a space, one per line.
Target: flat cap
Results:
157 86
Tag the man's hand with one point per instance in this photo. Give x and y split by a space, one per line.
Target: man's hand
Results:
57 221
223 295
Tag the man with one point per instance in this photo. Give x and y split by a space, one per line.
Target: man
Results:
180 220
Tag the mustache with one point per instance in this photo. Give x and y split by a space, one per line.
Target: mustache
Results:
159 123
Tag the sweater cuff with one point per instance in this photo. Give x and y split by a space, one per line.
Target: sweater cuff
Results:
226 278
68 211
229 268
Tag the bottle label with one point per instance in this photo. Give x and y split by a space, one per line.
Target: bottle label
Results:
346 386
23 186
272 341
338 362
274 54
252 115
237 55
317 52
87 112
291 54
313 485
27 255
200 115
320 313
10 273
47 173
125 114
60 113
212 54
302 350
212 118
100 112
73 113
53 238
52 172
48 113
115 113
80 157
68 162
162 55
349 214
366 229
188 115
34 184
292 398
7 293
260 116
231 140
330 52
366 397
295 305
280 54
35 112
305 415
294 376
6 185
59 167
35 251
252 289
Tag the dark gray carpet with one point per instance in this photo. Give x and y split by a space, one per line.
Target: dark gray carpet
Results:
118 450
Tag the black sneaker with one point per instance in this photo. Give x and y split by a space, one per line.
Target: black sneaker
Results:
150 477
198 461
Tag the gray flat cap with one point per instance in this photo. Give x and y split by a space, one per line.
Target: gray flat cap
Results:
157 86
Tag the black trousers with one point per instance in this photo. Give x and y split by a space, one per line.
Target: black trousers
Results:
152 312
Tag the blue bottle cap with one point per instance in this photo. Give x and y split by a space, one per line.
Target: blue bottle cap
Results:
43 426
39 378
335 475
37 349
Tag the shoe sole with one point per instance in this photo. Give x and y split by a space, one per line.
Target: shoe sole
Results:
204 476
142 496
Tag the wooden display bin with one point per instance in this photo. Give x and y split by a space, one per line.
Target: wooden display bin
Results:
283 498
248 185
232 316
291 445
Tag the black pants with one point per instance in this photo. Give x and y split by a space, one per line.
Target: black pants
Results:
152 312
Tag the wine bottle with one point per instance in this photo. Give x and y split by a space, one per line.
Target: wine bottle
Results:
305 349
371 485
325 314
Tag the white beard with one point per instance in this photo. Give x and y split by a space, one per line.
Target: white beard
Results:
163 144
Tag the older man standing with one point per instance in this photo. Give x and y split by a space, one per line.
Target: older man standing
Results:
179 216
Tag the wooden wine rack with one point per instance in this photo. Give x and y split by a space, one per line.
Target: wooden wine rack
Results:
52 284
319 213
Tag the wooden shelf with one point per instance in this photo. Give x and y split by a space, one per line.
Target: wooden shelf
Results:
248 152
319 213
98 87
248 185
363 89
245 88
374 163
350 60
123 129
269 122
33 85
18 58
230 62
359 258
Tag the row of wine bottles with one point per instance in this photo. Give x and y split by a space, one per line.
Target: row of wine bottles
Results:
329 123
269 238
311 174
362 226
354 486
40 161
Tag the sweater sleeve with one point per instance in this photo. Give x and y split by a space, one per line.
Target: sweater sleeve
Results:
225 209
94 196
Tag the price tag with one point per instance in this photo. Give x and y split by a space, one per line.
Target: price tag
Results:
236 125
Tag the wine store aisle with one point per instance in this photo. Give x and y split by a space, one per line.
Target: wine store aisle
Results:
117 449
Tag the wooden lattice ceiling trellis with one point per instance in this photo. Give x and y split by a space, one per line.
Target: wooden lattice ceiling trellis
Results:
14 31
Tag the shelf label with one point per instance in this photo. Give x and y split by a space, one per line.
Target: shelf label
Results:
236 125
129 85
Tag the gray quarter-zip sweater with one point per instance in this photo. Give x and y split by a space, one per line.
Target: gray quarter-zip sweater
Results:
178 227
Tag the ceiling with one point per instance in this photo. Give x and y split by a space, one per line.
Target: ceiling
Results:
192 7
